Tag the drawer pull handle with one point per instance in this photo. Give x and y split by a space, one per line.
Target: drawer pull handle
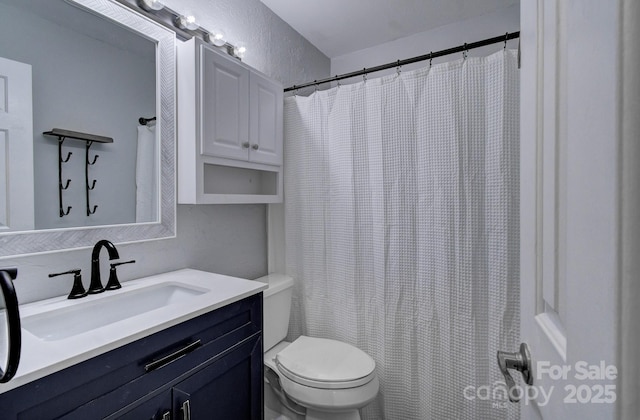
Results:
156 364
186 410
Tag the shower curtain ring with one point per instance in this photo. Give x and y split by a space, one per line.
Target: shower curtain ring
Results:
398 68
464 52
506 36
430 58
364 75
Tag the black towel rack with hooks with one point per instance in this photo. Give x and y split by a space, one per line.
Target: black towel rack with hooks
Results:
89 139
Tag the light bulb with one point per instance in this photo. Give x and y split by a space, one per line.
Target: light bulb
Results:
239 50
150 5
187 21
216 38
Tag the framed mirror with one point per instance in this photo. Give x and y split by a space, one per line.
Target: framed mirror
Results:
98 68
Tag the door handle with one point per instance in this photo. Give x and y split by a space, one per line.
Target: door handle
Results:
520 361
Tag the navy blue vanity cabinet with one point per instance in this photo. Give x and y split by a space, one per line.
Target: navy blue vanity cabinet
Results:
194 393
209 367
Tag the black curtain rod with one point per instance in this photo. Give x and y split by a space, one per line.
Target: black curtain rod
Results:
466 47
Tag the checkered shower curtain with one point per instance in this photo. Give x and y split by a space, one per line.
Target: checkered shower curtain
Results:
402 230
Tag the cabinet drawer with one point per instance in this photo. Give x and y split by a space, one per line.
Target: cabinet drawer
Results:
60 393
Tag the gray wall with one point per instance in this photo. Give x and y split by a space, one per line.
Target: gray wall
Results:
227 239
76 86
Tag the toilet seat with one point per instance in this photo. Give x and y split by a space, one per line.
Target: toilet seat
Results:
325 364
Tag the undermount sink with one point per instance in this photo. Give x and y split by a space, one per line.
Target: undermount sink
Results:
105 309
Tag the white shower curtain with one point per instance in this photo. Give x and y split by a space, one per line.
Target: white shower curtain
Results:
146 176
402 231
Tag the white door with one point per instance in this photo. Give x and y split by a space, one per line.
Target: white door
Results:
224 106
569 206
265 120
16 147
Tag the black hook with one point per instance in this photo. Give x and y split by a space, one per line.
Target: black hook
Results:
464 53
94 160
90 212
93 185
398 70
430 58
62 187
506 38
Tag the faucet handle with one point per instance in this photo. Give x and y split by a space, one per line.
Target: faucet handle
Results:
77 291
113 282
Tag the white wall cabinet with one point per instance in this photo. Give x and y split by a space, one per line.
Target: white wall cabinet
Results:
229 129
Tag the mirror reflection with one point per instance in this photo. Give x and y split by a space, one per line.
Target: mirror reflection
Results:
88 75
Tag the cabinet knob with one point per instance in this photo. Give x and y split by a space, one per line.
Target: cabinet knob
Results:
255 146
245 145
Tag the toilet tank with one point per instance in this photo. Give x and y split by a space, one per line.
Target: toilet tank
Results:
276 308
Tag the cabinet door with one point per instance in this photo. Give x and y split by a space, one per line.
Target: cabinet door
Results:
229 388
224 111
266 103
156 408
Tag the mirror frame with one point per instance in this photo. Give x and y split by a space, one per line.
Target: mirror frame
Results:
13 244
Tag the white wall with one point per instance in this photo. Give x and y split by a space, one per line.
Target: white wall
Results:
447 36
227 239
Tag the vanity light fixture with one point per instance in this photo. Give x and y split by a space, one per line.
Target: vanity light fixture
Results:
185 25
216 38
150 5
187 21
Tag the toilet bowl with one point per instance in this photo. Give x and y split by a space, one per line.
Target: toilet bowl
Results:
312 378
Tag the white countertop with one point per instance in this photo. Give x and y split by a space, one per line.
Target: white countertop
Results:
40 357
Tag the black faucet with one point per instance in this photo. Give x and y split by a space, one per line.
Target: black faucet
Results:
96 284
77 291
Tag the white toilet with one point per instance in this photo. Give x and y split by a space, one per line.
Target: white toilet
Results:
311 378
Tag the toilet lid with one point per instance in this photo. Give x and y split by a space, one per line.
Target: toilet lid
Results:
324 363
